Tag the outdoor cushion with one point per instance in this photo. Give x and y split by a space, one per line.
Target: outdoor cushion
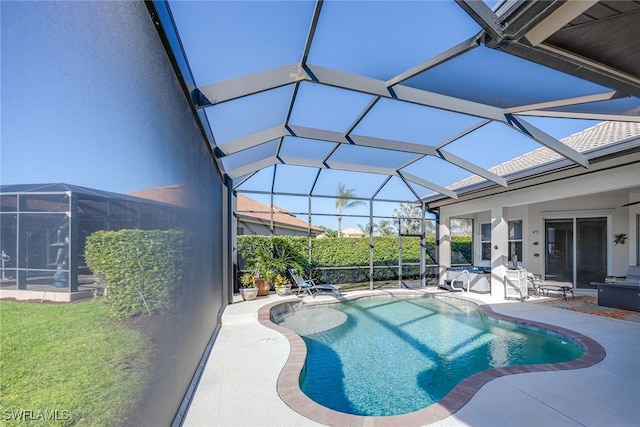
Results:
634 273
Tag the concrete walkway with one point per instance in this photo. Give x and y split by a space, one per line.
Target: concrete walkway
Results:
238 385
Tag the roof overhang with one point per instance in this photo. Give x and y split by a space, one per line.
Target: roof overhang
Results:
581 38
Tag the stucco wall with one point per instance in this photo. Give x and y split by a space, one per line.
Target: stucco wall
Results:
597 194
607 205
265 230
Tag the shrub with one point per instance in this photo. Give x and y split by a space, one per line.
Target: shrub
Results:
328 253
248 246
135 264
292 250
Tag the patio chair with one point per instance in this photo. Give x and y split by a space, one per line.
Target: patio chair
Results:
309 286
533 283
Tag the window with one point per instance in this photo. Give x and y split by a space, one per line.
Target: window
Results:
515 239
485 241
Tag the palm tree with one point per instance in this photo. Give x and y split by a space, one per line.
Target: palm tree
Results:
382 228
367 229
343 202
385 227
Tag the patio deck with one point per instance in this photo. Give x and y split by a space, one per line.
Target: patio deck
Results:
238 385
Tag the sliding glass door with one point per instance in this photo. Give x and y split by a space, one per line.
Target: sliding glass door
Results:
591 251
576 250
559 253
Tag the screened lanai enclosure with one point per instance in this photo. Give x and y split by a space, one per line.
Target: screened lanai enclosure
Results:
404 103
327 91
45 228
400 103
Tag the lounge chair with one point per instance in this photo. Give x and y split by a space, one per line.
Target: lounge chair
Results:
309 286
563 287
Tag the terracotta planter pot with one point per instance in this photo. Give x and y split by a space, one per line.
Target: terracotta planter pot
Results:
262 285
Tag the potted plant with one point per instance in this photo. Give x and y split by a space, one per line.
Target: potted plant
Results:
267 264
282 285
248 290
255 265
265 268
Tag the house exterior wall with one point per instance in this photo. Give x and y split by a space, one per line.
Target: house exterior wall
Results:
606 205
251 227
601 193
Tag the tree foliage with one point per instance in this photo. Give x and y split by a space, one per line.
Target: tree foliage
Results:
344 201
408 216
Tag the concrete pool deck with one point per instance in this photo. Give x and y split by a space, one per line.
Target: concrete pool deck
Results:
238 386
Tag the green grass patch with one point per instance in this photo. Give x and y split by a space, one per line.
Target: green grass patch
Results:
70 363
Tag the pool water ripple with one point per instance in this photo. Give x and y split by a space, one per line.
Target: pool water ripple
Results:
405 351
394 355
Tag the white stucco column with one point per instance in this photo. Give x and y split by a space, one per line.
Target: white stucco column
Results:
499 250
634 211
444 248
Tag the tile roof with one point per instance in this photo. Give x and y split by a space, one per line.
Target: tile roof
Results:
597 136
177 194
249 208
352 232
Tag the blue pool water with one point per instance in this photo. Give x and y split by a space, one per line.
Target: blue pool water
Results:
392 355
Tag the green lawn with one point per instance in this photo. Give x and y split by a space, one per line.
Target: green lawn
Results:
68 362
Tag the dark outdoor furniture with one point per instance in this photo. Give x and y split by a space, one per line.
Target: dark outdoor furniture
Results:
564 287
621 293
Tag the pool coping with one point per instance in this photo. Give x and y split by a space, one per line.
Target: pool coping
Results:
288 381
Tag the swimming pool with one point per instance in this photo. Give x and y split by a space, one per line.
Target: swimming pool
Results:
394 355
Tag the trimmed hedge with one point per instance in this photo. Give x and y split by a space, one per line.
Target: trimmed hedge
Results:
353 252
135 262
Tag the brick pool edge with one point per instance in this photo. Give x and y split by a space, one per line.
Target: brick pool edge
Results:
288 381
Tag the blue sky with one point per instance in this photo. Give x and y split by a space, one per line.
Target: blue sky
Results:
59 96
62 91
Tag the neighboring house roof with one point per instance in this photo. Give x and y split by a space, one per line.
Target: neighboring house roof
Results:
249 210
252 210
177 194
84 194
598 136
60 187
352 232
